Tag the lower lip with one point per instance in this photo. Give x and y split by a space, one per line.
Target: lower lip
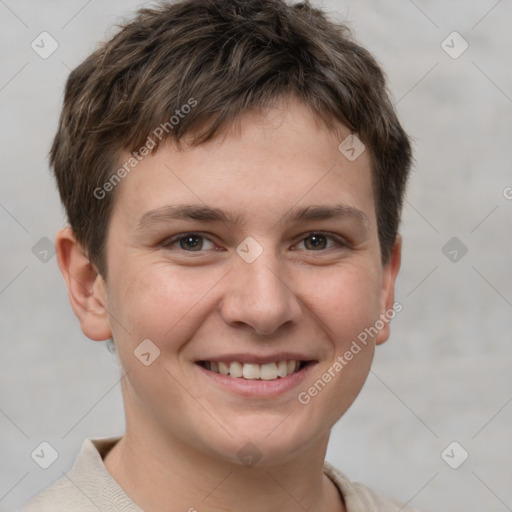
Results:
257 387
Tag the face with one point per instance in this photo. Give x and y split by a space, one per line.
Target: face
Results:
271 275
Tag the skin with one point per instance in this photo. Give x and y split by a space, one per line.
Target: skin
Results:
183 431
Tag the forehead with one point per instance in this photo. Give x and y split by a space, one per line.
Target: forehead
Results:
267 165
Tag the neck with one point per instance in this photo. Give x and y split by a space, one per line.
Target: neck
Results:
155 471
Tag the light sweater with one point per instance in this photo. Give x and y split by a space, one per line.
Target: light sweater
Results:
89 487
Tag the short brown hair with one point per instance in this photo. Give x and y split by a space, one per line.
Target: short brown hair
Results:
228 56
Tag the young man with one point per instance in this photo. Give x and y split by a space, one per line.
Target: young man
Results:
233 174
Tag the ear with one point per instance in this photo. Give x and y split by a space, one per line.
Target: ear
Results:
387 297
86 287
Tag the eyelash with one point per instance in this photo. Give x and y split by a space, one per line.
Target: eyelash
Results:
169 242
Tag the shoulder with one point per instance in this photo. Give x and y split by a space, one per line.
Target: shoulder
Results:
61 495
87 487
359 497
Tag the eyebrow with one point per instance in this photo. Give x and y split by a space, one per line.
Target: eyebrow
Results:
211 214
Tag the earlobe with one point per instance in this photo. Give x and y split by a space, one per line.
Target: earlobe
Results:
387 303
86 287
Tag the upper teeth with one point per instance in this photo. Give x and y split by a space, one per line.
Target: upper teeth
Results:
269 371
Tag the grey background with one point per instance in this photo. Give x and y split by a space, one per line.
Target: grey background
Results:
445 373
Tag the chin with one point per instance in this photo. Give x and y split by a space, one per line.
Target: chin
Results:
270 442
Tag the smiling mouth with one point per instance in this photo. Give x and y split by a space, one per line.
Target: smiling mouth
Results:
255 371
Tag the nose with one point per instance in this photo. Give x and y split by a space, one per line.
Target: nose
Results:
260 295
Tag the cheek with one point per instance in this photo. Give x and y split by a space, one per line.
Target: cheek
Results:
350 302
348 307
160 303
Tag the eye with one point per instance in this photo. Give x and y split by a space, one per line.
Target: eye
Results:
195 242
319 241
190 242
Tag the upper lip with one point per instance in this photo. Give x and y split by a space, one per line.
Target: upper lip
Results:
258 358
